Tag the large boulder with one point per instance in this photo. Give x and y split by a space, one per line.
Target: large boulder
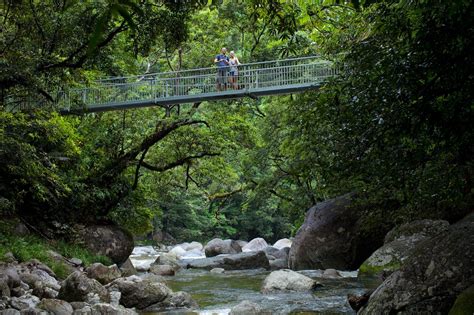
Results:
330 237
250 260
103 274
108 240
431 278
400 243
424 228
287 280
255 245
217 246
79 288
283 243
140 293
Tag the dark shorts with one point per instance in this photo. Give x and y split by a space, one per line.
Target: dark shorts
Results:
222 75
233 73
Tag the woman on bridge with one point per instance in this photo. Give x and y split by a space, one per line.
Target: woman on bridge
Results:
233 71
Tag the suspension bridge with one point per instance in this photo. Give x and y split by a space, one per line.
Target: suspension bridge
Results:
196 85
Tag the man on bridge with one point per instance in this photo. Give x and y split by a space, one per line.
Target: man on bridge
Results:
222 62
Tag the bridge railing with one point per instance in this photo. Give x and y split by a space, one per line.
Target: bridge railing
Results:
179 84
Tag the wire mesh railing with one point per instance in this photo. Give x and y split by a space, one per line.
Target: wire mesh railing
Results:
177 85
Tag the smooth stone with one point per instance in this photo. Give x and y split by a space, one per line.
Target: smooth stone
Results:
217 270
246 308
162 270
331 273
140 293
218 246
287 280
254 245
250 260
282 243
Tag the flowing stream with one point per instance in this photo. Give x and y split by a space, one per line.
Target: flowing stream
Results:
218 293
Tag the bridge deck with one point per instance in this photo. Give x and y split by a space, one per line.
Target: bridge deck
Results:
197 85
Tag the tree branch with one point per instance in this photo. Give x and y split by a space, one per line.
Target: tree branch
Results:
176 163
68 62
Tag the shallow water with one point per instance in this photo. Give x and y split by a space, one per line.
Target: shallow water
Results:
217 293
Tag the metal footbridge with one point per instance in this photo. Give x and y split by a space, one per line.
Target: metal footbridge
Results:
198 85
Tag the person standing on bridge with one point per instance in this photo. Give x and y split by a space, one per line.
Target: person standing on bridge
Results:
222 62
233 71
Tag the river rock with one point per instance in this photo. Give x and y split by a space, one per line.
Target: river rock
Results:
56 307
279 263
246 308
194 246
193 254
242 243
287 280
162 270
4 288
103 274
217 270
24 302
10 277
105 309
431 278
128 269
255 245
249 260
217 246
271 252
331 273
178 299
283 243
78 305
399 244
358 301
330 238
108 240
39 279
178 251
140 293
77 286
169 259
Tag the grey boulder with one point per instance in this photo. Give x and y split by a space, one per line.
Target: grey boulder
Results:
287 280
79 288
431 278
218 246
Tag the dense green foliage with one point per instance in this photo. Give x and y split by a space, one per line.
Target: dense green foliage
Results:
395 126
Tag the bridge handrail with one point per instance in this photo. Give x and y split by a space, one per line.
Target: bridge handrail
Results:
212 68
